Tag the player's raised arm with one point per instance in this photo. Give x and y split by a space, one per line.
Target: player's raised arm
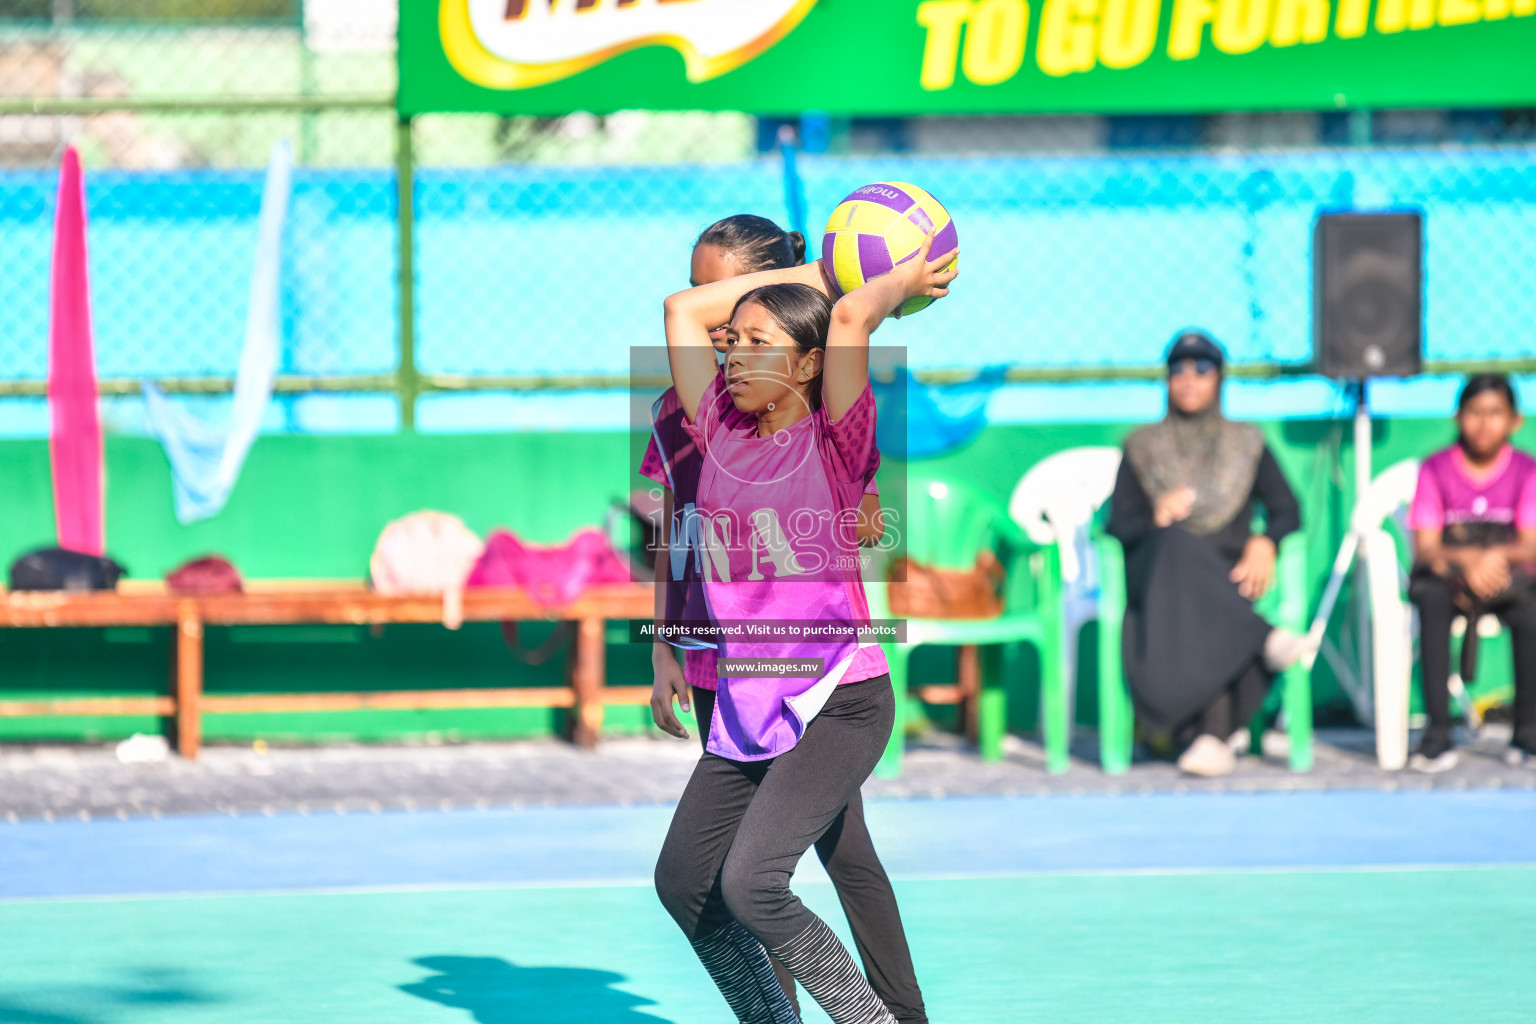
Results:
857 315
692 314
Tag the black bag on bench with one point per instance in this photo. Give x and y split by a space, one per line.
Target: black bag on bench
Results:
62 569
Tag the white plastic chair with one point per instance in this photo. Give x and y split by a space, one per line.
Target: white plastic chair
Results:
1055 503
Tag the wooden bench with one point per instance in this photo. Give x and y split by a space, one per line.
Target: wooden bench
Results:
331 604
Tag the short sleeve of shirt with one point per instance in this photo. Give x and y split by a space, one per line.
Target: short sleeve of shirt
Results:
668 416
1525 506
1428 509
651 467
853 439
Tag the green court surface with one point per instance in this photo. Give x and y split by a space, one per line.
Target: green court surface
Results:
1399 945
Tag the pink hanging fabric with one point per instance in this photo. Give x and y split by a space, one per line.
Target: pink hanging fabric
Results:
76 426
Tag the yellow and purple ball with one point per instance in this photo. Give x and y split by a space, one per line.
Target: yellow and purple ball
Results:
878 228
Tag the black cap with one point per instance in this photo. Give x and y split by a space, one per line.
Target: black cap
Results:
1195 345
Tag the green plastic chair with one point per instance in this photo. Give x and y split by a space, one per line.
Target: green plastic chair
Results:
949 522
1285 605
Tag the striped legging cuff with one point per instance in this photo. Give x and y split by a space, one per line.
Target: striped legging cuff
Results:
821 964
739 966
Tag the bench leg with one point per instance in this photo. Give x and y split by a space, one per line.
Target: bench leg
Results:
187 680
587 671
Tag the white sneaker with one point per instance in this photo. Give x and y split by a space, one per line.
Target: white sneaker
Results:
1276 744
1434 765
1207 757
1282 649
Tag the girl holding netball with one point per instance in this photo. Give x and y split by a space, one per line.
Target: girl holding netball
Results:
728 248
785 431
1474 527
742 244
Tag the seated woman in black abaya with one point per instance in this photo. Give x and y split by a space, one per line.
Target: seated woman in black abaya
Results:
1198 659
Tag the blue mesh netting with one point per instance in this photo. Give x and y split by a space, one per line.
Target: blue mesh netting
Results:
558 271
170 264
1084 260
1091 260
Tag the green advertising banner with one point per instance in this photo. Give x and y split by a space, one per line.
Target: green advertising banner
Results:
909 57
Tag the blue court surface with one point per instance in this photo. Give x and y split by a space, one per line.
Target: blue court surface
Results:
1282 907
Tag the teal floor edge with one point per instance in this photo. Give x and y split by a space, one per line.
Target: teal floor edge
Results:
1428 945
916 838
1345 907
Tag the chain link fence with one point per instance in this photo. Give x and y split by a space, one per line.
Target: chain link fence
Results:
542 246
175 107
1067 261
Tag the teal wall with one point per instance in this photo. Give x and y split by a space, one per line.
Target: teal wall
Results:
311 506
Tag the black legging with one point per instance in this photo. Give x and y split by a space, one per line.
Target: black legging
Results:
848 853
1437 607
741 828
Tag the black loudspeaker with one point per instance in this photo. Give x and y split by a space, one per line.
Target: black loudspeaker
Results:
1368 294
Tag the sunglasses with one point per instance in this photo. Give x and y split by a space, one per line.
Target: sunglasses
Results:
1203 367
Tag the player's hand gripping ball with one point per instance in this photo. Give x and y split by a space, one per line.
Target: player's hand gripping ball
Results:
881 226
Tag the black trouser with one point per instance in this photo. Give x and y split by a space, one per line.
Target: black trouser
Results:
1237 703
1189 635
848 853
1436 602
741 828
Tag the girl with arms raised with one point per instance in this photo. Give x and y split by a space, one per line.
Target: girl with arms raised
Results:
786 434
738 245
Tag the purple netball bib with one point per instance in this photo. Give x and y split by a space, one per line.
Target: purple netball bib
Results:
775 532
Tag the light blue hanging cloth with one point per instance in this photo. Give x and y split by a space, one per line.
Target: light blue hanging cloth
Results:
206 458
922 421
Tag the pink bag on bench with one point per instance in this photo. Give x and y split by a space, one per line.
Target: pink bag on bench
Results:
553 574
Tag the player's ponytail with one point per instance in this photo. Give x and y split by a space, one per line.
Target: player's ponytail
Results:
796 247
755 243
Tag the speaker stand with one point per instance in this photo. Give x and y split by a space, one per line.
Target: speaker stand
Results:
1356 678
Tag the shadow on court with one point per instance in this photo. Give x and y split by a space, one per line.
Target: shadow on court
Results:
12 1014
498 992
89 1003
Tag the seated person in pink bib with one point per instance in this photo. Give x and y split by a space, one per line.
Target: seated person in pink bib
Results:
1474 529
786 432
